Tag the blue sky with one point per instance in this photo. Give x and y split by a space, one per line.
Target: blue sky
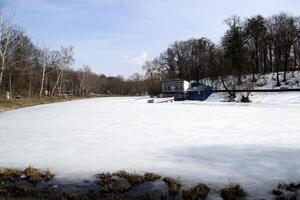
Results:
115 37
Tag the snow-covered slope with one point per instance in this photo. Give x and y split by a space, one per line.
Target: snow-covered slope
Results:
254 144
260 97
263 81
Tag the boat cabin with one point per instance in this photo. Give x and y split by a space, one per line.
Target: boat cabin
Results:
198 91
184 90
175 86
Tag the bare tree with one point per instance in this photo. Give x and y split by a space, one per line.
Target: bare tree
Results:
59 70
48 61
67 56
8 44
44 58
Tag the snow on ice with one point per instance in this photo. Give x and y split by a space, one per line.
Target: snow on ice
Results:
257 144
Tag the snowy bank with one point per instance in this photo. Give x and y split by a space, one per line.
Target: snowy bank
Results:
260 97
262 81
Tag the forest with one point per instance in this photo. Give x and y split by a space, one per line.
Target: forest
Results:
255 45
252 46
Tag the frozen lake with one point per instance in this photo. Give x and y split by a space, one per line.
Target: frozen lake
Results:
218 143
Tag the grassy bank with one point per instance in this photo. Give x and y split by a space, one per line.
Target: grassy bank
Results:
32 183
6 105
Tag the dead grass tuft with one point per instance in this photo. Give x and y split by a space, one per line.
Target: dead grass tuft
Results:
109 185
174 185
277 192
233 192
292 187
16 190
47 175
199 191
137 179
113 186
113 183
132 178
32 174
151 177
10 174
104 178
105 175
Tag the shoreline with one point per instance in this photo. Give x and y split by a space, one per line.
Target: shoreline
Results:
32 183
9 105
13 104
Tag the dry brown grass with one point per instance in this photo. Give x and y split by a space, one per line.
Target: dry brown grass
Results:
104 178
10 174
277 192
113 186
137 179
105 175
109 185
31 174
292 187
174 185
16 190
151 177
197 192
47 175
6 105
233 192
111 182
34 175
132 178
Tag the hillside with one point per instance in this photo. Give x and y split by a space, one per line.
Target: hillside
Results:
263 81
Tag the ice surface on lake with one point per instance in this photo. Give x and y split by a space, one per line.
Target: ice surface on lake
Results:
218 143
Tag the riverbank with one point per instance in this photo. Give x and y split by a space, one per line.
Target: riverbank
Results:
7 105
32 183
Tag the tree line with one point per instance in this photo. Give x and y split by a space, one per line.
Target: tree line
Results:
29 71
251 46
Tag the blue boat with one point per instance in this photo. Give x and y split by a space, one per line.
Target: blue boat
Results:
183 90
198 91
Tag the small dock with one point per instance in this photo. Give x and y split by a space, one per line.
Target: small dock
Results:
161 100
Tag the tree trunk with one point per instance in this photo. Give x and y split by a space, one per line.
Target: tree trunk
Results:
43 80
256 58
232 94
10 86
239 78
286 62
29 90
253 70
277 77
2 71
61 82
56 83
271 59
265 61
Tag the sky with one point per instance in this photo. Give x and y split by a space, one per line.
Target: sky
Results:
115 37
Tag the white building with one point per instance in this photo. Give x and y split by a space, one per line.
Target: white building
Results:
175 86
